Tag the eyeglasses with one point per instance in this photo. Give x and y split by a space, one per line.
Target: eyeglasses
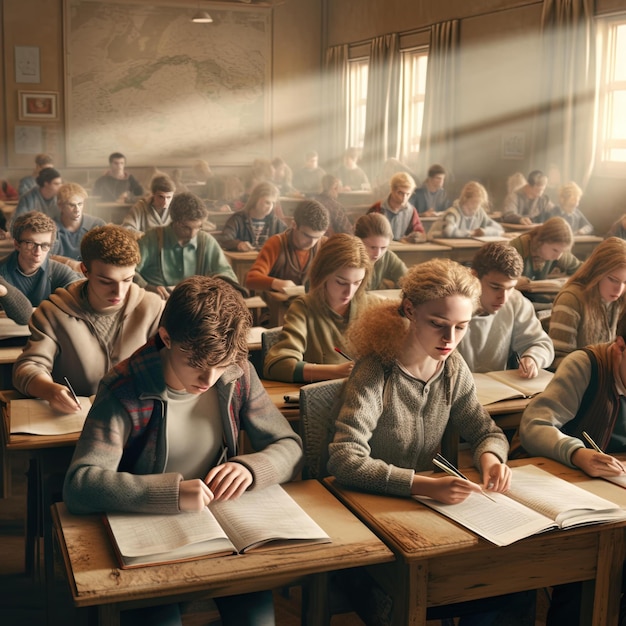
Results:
33 245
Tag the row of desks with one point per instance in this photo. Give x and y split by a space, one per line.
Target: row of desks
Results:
460 250
420 558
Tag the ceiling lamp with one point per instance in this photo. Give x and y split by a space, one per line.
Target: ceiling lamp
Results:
201 17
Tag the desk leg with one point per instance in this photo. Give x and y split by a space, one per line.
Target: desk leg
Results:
109 615
315 602
608 586
410 598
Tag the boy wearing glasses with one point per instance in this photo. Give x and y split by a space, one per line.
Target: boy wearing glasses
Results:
27 275
84 330
73 224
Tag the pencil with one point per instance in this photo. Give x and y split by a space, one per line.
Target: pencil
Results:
343 354
596 447
449 469
67 382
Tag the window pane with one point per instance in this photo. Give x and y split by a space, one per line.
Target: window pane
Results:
620 53
357 101
414 90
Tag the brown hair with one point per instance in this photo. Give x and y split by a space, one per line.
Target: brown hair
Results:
162 183
110 244
554 230
312 214
373 225
339 251
186 207
261 190
210 321
33 220
498 256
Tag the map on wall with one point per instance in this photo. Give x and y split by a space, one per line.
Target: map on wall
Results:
147 81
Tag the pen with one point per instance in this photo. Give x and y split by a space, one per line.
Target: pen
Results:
443 464
67 382
596 447
343 354
519 363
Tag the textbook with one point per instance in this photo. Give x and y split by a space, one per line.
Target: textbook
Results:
536 502
262 520
36 417
508 384
296 290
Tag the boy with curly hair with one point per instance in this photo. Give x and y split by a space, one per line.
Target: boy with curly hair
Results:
84 330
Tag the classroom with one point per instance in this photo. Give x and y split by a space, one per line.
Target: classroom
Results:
212 110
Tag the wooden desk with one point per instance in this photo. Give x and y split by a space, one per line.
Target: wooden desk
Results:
356 198
219 218
584 245
277 391
95 579
439 562
461 250
241 262
414 253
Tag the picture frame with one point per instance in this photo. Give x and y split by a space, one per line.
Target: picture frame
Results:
38 105
28 139
513 144
27 68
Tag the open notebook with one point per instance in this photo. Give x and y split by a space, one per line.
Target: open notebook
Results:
35 417
536 502
266 519
508 384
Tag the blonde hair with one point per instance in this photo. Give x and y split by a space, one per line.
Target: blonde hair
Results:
570 190
471 190
339 251
515 182
401 179
384 329
67 190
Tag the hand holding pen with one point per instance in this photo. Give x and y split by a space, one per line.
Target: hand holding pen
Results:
443 464
526 366
595 461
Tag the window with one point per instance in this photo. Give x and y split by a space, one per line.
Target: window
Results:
414 64
612 121
357 100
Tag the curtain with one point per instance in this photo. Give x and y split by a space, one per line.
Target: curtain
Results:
381 139
335 106
564 134
438 128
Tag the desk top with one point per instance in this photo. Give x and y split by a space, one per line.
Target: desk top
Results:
436 245
95 578
249 255
461 242
417 532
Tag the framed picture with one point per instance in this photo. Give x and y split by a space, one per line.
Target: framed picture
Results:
37 105
27 64
28 139
513 144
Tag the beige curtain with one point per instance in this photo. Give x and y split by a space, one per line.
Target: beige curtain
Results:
381 139
335 106
564 134
438 129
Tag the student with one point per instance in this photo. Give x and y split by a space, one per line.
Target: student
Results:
588 307
181 249
195 372
585 395
251 227
569 199
528 204
152 211
117 185
285 259
43 197
29 275
467 217
387 267
546 249
352 177
82 331
514 182
73 224
504 332
308 179
283 178
339 221
431 198
315 324
402 215
7 192
29 182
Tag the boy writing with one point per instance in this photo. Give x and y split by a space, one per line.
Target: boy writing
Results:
82 331
586 395
505 325
164 419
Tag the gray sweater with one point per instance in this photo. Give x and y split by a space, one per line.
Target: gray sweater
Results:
390 424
